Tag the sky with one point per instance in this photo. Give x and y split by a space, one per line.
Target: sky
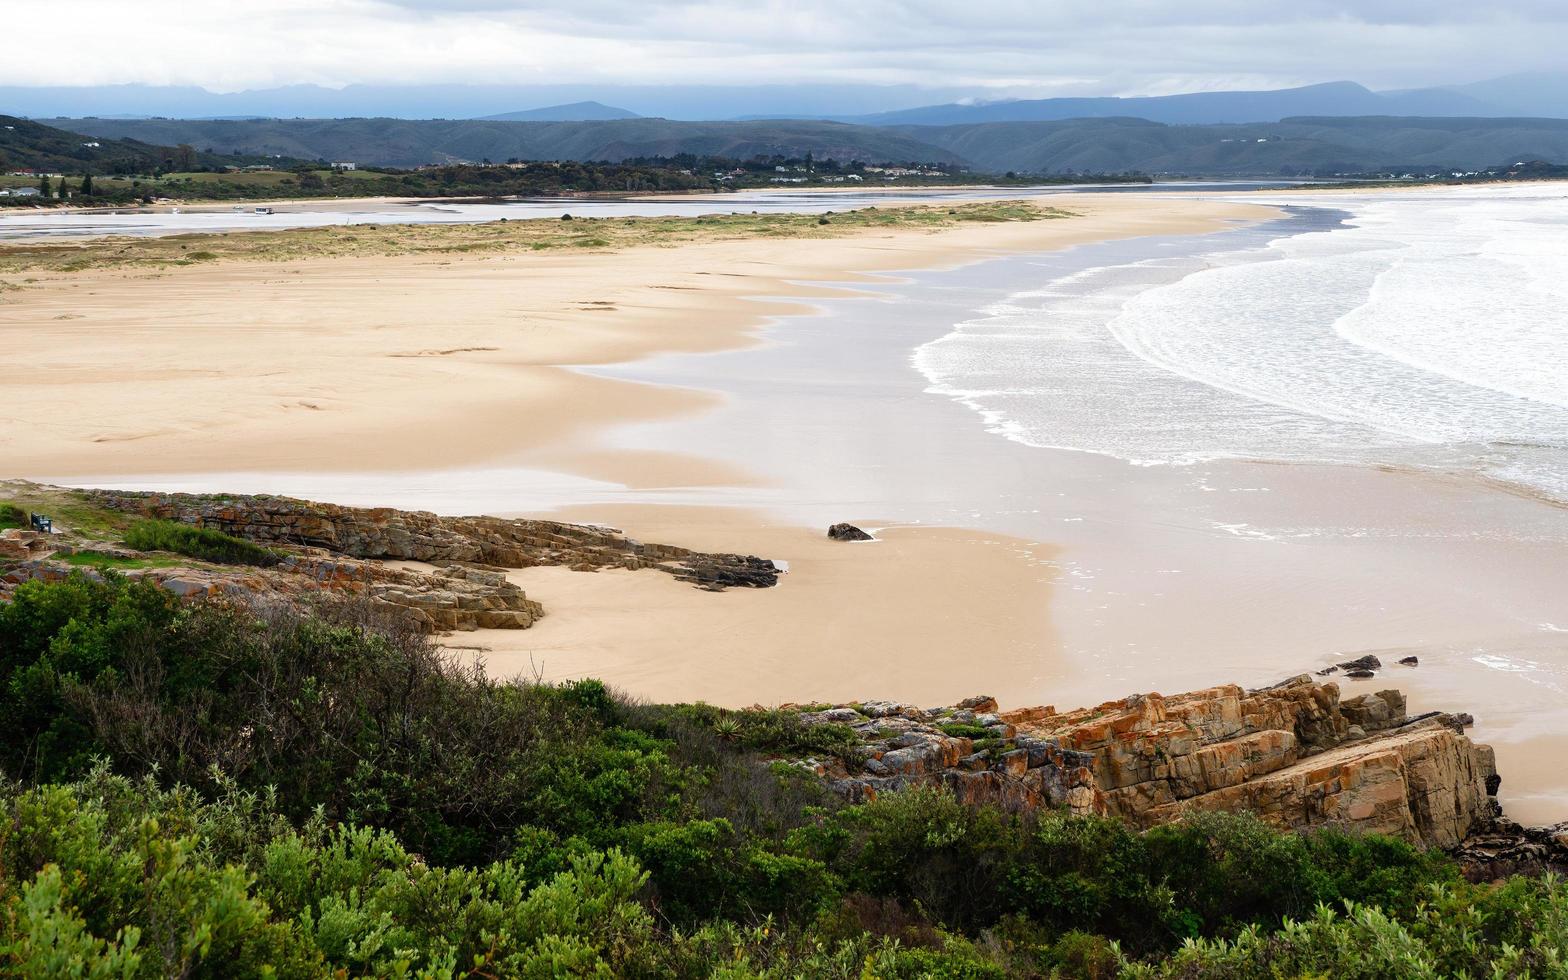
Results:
992 48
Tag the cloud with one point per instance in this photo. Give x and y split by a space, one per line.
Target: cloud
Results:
1011 47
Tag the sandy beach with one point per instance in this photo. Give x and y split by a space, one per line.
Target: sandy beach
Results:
912 604
399 362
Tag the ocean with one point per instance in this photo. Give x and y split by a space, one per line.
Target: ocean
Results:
1424 330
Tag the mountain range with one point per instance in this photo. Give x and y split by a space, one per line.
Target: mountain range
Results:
1537 94
1328 99
1295 146
572 112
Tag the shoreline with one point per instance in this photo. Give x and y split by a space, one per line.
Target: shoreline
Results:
323 371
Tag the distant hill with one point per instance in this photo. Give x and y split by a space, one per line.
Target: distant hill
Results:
1300 145
572 112
409 143
25 144
1529 94
1329 99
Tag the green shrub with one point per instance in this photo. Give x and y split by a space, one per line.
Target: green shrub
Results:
957 730
197 542
12 516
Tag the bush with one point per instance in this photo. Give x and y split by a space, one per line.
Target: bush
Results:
197 542
12 516
109 858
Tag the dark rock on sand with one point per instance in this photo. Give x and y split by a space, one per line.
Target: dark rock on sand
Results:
1360 673
1410 661
1368 662
848 532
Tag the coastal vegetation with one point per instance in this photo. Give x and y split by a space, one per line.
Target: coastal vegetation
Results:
196 542
496 237
485 181
204 789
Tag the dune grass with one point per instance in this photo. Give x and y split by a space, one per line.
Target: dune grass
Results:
497 237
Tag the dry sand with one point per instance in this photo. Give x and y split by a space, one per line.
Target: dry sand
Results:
906 616
393 363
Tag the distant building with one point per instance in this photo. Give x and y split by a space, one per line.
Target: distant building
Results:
344 166
19 192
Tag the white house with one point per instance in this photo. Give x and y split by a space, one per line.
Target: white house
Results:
344 166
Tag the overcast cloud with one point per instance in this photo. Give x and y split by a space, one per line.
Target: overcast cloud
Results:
993 47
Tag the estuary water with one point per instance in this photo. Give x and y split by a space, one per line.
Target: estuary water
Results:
54 223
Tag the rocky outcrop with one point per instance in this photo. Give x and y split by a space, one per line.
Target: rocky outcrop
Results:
447 598
967 749
19 545
848 532
382 532
1294 754
341 552
1500 847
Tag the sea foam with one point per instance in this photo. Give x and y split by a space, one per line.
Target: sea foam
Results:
1426 329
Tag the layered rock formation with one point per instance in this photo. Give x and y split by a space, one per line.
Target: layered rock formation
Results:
1500 847
1294 754
340 552
381 532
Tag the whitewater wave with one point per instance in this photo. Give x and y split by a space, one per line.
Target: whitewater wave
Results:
1423 329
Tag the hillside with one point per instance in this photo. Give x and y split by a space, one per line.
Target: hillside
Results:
1297 145
411 143
29 145
1304 145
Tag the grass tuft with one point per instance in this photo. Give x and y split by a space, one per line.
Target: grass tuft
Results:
197 542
